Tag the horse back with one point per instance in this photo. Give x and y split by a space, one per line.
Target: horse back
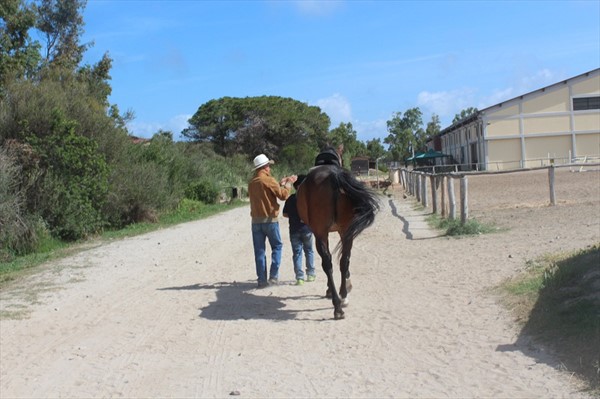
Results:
316 200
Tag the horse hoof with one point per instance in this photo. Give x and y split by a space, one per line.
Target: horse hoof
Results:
345 302
338 315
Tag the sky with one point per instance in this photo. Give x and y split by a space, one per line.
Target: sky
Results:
361 62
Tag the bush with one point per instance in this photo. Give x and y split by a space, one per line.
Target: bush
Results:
202 190
74 187
19 232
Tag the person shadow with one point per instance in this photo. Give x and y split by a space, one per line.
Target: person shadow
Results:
242 301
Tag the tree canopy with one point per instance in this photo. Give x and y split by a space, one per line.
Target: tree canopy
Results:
464 114
253 125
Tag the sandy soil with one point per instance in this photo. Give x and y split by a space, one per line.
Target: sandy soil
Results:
175 313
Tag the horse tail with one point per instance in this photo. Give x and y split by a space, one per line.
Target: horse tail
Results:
364 201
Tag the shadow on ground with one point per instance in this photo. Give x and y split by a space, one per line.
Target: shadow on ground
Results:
243 301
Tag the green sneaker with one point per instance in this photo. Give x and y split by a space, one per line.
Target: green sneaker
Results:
311 278
299 282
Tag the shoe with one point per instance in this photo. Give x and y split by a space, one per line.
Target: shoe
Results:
311 278
273 281
299 282
262 284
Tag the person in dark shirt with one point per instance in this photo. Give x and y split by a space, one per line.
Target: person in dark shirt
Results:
301 238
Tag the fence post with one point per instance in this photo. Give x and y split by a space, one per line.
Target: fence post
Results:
551 183
443 201
464 200
451 199
418 187
433 181
424 198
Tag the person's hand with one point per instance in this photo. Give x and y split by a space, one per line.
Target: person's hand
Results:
288 180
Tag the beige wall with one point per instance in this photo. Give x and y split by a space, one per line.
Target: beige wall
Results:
504 154
548 101
540 147
505 127
547 124
587 87
588 145
587 122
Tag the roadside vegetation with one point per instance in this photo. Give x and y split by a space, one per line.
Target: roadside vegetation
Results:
556 300
454 227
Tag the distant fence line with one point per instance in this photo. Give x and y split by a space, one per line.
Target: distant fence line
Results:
415 184
512 166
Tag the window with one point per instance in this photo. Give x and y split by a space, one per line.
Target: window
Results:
583 103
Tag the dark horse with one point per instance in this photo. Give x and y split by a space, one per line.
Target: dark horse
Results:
331 199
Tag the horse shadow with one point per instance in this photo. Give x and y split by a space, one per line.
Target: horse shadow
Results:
243 301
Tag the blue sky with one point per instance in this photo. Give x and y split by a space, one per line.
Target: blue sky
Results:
359 61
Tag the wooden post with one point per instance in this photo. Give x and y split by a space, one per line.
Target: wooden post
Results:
551 183
464 200
443 191
451 199
418 187
424 197
433 181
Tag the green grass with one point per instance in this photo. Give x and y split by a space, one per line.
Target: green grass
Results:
453 227
51 248
556 299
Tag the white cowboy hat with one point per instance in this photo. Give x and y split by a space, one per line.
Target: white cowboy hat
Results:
261 160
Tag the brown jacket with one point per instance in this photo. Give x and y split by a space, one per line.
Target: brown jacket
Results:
263 191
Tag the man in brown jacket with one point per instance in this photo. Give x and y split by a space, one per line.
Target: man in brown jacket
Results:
263 191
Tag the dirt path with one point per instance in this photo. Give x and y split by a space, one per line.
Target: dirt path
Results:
175 313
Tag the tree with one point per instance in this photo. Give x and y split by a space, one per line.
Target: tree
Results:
406 134
253 125
433 127
346 135
19 54
61 23
375 149
464 114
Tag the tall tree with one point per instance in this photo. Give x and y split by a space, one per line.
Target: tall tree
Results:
346 135
257 124
433 127
464 114
406 134
19 54
375 148
61 23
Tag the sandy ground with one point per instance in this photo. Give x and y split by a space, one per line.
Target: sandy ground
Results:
175 313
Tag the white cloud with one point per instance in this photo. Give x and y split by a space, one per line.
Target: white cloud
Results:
337 107
369 130
147 129
446 104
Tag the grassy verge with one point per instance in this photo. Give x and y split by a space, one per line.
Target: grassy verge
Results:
51 248
557 301
453 227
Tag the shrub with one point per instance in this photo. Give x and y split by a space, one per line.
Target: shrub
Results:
202 190
75 184
19 231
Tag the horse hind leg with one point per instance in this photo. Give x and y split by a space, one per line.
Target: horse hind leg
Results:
323 250
346 285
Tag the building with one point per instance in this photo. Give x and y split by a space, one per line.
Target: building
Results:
360 166
555 124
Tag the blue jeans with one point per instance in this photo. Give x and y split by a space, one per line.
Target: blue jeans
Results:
302 243
260 233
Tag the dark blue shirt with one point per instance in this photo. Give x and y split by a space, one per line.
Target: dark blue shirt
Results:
296 225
